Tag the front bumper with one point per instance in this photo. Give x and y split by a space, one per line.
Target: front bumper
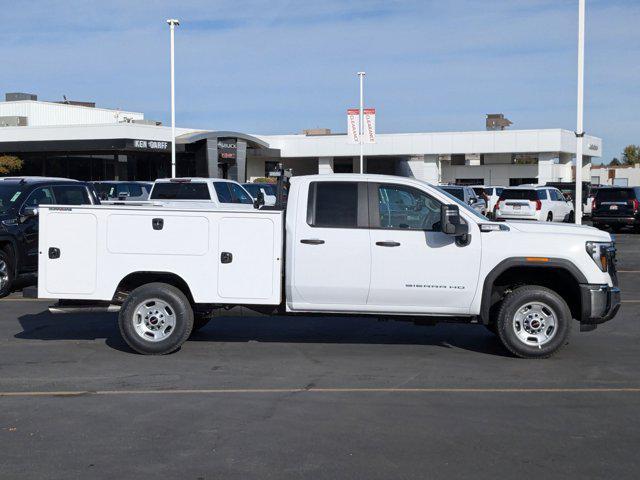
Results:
600 303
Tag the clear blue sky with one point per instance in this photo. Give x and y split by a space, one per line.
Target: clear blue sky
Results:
281 66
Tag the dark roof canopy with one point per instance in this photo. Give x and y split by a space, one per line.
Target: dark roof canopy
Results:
209 135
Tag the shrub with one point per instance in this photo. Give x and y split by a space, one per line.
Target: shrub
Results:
9 164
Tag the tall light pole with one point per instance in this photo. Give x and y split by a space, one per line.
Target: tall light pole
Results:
580 113
173 22
361 129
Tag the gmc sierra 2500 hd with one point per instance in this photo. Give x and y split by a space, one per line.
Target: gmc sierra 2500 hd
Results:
350 244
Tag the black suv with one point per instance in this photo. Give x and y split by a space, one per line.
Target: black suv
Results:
616 207
19 201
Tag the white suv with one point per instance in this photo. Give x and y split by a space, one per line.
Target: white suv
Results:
216 192
530 202
491 194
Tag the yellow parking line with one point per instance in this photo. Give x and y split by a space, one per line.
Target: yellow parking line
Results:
253 391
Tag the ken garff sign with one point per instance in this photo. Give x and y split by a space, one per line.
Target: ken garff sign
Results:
150 145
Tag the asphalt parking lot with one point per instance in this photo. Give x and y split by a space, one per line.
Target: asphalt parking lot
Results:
258 397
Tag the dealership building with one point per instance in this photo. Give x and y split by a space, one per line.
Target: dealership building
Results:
79 140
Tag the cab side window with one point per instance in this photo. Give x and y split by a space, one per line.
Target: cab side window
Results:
40 196
407 208
239 194
336 205
71 195
223 192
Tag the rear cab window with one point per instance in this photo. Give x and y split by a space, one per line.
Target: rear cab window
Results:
180 191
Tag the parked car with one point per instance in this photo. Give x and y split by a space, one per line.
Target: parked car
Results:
568 189
491 194
616 207
216 192
127 191
335 250
268 191
468 196
20 198
531 202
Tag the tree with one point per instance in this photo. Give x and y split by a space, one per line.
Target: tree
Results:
615 162
631 154
9 164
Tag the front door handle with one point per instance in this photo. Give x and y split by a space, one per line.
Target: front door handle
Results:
312 241
388 244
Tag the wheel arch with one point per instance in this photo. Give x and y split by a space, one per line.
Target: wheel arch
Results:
558 274
137 279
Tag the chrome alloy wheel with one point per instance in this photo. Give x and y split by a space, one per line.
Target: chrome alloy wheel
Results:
535 324
4 274
154 320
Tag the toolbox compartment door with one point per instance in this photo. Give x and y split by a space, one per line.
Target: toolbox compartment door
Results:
68 252
248 263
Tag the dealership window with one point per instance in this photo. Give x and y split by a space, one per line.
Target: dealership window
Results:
269 167
333 204
514 182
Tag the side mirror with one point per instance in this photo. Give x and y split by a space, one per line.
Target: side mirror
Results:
29 212
451 222
259 201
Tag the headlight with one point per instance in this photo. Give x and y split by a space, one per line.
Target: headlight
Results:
598 251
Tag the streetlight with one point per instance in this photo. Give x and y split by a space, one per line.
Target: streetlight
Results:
580 113
173 22
361 129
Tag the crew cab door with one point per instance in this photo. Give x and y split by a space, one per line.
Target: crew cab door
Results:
331 258
415 268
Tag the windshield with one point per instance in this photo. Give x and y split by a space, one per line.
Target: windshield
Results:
455 191
466 207
9 195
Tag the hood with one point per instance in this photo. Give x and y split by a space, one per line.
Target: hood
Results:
551 228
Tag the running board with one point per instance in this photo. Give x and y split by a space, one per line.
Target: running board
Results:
65 307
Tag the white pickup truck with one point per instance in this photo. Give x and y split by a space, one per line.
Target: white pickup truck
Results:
347 244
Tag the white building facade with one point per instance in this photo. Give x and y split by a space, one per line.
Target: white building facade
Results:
93 144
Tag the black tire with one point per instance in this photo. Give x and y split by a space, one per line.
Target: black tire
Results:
518 299
179 309
572 217
7 270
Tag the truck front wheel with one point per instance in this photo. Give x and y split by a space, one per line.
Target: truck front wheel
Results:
156 319
6 273
533 322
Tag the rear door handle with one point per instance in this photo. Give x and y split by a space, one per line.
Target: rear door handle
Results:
312 241
388 244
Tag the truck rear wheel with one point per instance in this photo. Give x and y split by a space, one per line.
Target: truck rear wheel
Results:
156 319
534 322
